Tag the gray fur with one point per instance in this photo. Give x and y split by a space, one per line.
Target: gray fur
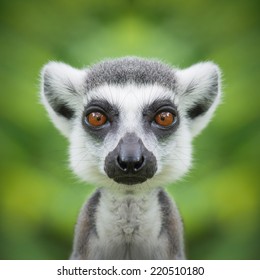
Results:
171 222
130 69
86 227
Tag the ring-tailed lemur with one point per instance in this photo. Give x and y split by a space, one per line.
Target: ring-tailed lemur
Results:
130 122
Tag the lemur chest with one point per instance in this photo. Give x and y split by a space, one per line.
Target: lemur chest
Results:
129 228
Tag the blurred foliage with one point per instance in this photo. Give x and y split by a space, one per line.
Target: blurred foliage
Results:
40 198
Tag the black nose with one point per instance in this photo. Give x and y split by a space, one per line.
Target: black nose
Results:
130 154
130 162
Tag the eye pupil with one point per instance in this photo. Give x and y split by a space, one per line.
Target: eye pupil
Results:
96 119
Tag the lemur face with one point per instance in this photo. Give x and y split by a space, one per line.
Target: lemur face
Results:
130 121
131 131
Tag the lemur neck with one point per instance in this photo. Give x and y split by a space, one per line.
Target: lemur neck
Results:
128 205
128 217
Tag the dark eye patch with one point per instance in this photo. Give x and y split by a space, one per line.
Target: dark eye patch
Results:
151 111
104 107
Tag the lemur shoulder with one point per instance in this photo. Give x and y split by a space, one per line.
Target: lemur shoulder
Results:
130 124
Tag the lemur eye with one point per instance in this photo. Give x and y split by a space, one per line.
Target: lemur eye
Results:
96 119
165 118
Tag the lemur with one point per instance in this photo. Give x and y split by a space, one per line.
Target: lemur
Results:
130 123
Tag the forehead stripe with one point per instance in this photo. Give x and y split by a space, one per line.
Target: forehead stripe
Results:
130 69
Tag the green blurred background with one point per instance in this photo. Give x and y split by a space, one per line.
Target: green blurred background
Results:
40 198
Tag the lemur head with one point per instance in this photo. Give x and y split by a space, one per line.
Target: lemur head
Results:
130 121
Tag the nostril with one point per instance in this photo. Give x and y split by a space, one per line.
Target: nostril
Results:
138 164
122 164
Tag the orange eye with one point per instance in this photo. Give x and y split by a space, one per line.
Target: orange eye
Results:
165 118
96 119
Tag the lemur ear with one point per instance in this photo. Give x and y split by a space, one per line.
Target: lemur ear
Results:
62 90
199 90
